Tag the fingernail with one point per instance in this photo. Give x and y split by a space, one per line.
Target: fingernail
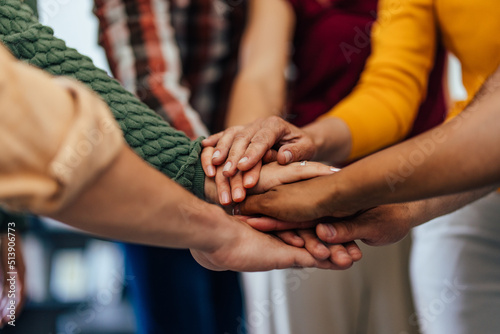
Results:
353 252
248 181
321 247
238 194
225 198
216 154
236 210
335 169
243 160
329 230
345 256
211 171
227 166
288 156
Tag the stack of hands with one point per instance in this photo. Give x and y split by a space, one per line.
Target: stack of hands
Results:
255 172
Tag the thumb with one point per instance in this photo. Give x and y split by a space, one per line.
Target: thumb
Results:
289 256
255 204
343 231
300 150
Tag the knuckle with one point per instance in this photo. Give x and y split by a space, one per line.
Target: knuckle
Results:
274 121
241 136
263 138
231 130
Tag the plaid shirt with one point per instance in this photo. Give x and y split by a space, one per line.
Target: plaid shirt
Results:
174 54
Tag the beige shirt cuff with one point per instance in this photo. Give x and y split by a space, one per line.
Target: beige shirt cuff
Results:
56 137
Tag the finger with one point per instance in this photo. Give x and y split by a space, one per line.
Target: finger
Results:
297 151
224 144
251 177
291 238
273 174
238 148
212 140
206 161
223 187
314 245
353 250
237 189
289 256
270 156
343 231
340 256
297 172
270 132
267 224
256 205
261 143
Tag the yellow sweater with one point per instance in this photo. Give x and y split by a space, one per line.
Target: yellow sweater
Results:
382 107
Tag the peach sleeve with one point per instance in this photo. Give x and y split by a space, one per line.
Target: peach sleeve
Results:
55 138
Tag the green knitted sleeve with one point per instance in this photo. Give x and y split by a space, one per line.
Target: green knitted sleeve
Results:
166 149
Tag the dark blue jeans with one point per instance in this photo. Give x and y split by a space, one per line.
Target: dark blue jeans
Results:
172 293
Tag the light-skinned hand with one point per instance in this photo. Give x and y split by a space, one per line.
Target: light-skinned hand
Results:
251 250
242 147
232 189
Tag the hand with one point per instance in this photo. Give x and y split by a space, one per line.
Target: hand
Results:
379 226
271 175
242 147
251 250
298 204
337 253
20 294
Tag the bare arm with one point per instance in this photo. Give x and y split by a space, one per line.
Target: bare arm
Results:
259 88
460 155
389 223
258 92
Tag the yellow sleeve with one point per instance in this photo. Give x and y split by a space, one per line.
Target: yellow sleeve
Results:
382 107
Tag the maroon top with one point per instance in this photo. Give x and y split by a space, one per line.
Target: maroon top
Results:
331 45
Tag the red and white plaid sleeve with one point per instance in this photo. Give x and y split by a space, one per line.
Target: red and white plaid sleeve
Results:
143 55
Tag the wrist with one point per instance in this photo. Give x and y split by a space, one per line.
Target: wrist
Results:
418 212
332 139
217 229
340 200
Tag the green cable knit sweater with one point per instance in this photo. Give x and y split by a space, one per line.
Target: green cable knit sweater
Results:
166 149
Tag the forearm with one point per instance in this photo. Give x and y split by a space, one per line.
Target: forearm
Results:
438 206
259 89
253 98
150 209
460 155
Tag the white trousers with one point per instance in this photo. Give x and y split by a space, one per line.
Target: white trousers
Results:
372 297
455 270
